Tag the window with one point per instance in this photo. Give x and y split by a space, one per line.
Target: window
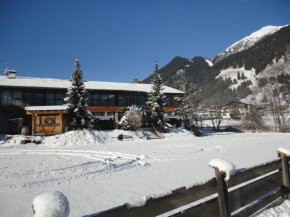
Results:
111 100
121 99
6 97
59 98
54 98
168 101
49 98
99 113
17 97
11 97
128 99
94 99
104 114
101 99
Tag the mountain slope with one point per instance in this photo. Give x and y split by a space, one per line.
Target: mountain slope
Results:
175 65
254 58
264 52
247 42
178 66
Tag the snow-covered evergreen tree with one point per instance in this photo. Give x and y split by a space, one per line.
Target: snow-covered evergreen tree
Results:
136 81
76 100
186 104
181 102
156 100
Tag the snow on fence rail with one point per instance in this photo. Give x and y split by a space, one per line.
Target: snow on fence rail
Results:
245 193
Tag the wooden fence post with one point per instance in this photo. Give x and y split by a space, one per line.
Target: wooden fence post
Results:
284 155
222 190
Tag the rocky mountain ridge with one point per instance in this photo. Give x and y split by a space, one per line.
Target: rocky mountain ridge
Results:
252 54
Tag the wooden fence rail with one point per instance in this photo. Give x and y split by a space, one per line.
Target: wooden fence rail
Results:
245 193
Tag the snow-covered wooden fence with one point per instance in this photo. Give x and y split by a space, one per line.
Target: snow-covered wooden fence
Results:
245 193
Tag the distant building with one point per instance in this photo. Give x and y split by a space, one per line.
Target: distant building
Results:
230 108
104 98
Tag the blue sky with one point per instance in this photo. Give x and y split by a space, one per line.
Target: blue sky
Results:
119 40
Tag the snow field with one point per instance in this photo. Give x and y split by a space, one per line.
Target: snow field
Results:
176 161
232 73
59 167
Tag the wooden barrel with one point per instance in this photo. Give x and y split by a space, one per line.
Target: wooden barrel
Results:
25 130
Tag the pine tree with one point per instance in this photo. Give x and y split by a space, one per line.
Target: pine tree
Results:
239 76
156 100
243 76
182 102
136 81
76 100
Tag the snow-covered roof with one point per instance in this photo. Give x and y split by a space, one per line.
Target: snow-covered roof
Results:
90 85
46 108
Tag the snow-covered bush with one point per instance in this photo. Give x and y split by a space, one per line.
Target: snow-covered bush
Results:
77 101
254 121
132 119
123 124
51 204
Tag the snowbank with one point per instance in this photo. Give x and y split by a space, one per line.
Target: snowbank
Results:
223 166
77 138
180 132
81 138
51 204
86 138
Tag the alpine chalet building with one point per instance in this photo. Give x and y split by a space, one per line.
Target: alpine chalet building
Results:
104 98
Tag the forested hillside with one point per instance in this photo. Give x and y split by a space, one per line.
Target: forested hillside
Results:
201 75
264 52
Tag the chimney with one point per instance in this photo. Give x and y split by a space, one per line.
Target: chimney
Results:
12 74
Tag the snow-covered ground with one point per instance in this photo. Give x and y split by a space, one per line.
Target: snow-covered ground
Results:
280 211
96 172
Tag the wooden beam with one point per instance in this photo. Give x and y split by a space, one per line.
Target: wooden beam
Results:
60 119
209 208
158 206
285 175
116 118
46 112
33 124
264 202
251 192
222 194
252 173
